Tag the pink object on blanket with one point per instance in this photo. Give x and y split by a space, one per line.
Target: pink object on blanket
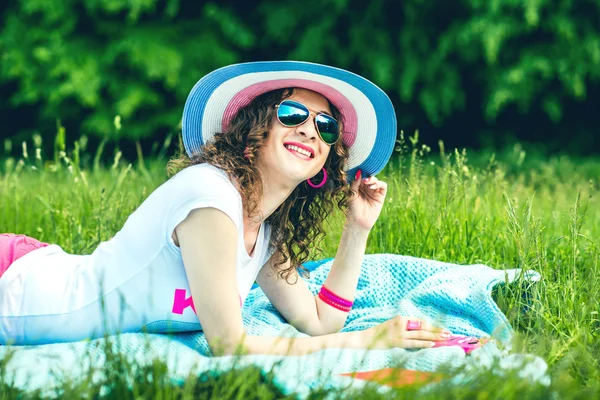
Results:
467 343
13 247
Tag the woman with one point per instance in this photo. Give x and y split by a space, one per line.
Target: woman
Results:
246 206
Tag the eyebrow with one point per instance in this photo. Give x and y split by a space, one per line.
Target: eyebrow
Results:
319 112
315 111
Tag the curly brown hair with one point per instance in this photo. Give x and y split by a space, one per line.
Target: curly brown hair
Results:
298 221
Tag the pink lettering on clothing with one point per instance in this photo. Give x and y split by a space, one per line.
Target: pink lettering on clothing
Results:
180 302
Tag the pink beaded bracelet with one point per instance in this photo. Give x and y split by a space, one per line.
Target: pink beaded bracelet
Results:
333 303
328 297
334 297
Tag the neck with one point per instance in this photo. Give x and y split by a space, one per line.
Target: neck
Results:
275 193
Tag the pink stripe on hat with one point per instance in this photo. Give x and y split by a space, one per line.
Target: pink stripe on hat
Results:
246 95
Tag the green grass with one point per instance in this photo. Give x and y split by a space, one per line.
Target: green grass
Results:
506 210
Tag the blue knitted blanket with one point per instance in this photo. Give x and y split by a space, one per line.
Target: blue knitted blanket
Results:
457 297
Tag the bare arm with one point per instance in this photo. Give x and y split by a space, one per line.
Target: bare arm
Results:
208 242
343 276
296 303
389 334
308 313
306 345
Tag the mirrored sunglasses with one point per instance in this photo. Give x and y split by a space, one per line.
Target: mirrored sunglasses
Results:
291 113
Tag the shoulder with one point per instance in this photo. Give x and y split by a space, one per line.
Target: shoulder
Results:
201 186
204 172
203 179
212 221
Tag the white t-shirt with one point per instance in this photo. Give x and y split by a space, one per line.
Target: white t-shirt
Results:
137 277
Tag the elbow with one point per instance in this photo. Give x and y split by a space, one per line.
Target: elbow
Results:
320 324
332 329
310 327
319 328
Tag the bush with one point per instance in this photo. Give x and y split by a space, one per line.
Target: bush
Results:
527 68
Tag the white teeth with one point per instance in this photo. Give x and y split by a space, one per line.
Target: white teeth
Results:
298 150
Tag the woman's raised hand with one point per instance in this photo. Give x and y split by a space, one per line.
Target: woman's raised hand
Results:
366 202
397 332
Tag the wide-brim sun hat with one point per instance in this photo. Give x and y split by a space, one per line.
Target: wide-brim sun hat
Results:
369 120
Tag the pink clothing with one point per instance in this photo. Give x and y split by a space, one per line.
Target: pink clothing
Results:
13 247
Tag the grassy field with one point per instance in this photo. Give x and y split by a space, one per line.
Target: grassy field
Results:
506 210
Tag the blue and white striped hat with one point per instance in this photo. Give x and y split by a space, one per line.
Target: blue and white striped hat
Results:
368 117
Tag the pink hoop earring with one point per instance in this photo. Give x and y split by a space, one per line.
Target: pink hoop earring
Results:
312 185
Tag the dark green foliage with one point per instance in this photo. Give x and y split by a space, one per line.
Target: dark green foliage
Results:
530 68
88 61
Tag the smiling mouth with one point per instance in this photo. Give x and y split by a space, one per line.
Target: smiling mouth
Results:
298 150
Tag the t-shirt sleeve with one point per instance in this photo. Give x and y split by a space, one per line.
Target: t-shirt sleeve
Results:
200 186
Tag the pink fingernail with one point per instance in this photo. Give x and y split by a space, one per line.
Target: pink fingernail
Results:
358 174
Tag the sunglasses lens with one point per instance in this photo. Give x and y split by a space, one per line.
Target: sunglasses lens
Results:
291 113
328 128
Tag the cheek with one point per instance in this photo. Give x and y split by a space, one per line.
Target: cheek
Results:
270 144
265 152
325 152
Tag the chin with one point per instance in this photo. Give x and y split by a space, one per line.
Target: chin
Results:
297 176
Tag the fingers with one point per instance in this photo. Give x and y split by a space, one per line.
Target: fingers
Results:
417 344
407 332
371 182
368 185
374 187
424 335
426 326
356 182
426 331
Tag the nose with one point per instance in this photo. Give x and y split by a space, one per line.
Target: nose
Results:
308 128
